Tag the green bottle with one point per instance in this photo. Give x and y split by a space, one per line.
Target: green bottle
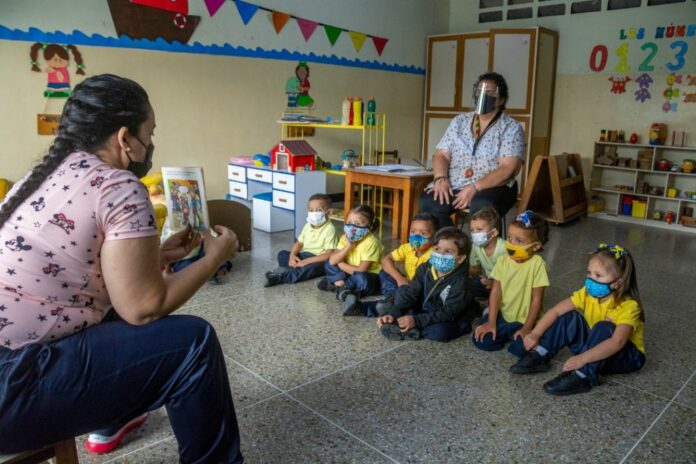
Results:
371 108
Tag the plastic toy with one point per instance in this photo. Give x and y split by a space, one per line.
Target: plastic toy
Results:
293 155
657 134
622 137
633 138
261 160
603 135
663 165
688 165
349 158
669 217
657 215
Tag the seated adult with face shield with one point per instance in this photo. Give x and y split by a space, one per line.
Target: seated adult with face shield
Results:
477 159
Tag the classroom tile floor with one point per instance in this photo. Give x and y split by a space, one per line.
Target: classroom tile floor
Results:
311 386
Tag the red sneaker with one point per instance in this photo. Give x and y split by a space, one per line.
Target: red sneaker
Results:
105 440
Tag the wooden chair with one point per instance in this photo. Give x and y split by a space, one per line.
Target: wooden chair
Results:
63 452
234 216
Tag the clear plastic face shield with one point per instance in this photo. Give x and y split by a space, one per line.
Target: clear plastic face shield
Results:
485 95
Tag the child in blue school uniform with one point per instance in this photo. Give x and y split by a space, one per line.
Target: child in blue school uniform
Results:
517 293
412 254
438 303
353 267
601 324
312 249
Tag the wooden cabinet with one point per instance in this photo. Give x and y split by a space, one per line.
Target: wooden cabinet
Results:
525 57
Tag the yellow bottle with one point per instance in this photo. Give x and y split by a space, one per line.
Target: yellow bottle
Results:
357 112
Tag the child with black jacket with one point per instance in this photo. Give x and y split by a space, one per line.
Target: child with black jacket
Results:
438 303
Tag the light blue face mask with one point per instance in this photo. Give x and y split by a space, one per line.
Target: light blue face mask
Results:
417 240
355 233
597 289
442 263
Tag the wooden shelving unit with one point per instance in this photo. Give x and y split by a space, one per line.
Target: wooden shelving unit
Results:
615 183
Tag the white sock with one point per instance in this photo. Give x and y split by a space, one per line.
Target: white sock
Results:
541 350
580 374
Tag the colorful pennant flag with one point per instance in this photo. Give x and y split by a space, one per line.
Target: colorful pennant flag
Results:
246 10
379 42
307 27
280 20
358 39
213 6
332 32
175 6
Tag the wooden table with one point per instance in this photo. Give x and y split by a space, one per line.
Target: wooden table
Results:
407 187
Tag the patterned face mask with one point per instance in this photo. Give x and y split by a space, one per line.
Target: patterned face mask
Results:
355 233
442 263
417 241
521 252
597 289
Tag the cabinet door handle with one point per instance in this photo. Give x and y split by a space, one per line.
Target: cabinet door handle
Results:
283 182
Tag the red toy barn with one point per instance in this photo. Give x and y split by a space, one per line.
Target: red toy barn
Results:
289 155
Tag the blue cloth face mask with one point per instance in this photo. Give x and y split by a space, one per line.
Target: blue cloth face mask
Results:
417 241
355 233
597 289
442 263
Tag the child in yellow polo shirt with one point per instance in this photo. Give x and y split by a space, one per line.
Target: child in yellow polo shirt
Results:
518 287
412 254
353 268
312 249
604 333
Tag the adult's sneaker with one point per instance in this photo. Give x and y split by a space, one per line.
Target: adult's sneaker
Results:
105 440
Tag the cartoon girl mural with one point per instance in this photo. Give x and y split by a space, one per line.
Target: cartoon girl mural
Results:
57 61
302 73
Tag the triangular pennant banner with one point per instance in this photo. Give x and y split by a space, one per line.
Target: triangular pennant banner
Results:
307 27
332 33
379 42
358 39
175 6
279 20
246 10
213 6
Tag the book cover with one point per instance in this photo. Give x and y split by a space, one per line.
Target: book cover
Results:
184 191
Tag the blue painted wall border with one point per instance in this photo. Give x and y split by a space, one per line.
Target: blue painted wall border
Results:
97 40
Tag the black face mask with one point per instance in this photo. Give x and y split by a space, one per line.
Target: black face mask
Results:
141 168
485 104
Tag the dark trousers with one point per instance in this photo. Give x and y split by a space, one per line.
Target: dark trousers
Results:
505 332
299 274
113 372
446 331
480 290
501 198
363 283
572 330
388 288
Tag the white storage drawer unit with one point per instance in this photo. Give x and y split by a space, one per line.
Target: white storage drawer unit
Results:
260 175
236 173
238 189
285 200
284 182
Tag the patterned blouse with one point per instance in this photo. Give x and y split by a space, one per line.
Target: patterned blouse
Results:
504 138
51 283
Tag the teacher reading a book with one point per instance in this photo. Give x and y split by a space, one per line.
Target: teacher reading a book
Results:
476 161
77 238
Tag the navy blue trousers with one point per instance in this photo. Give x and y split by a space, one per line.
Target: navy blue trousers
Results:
446 331
112 372
363 283
480 290
505 332
388 287
572 330
299 274
501 198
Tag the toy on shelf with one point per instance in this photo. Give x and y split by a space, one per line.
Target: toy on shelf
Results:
669 217
261 160
621 137
349 158
678 141
663 165
658 134
293 156
657 215
603 135
633 138
612 136
688 165
672 192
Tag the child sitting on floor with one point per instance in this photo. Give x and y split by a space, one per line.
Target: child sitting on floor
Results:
518 287
604 333
412 254
487 247
354 266
312 249
438 303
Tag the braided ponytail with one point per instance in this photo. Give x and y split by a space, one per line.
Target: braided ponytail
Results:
98 107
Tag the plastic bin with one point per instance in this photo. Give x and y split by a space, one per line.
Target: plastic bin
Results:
269 218
639 208
627 205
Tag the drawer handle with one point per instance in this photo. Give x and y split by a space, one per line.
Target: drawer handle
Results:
258 175
237 190
235 174
282 200
283 182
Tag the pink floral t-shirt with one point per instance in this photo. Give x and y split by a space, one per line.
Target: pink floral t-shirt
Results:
51 284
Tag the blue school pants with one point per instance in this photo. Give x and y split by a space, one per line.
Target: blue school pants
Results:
505 331
572 330
299 274
363 283
111 373
480 290
446 331
388 288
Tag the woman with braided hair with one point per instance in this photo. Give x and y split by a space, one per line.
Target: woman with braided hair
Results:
78 237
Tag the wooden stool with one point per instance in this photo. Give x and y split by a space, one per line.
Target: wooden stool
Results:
63 452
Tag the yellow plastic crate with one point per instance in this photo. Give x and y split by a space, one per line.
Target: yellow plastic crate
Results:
639 208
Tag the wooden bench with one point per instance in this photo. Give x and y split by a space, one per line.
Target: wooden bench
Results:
63 452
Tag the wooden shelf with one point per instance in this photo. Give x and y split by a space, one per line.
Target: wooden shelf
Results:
650 171
640 145
633 194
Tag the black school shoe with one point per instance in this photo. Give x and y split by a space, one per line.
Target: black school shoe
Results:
384 307
531 363
325 285
273 278
351 304
393 332
568 383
